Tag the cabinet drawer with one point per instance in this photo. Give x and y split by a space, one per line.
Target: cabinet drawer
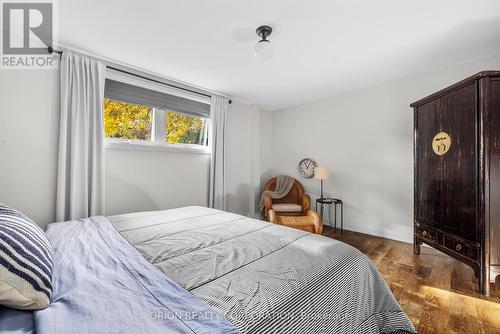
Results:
426 234
459 246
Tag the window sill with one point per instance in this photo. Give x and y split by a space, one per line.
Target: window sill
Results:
151 146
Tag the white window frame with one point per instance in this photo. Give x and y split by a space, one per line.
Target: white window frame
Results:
159 121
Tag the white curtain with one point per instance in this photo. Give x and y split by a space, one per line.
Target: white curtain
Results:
80 179
217 189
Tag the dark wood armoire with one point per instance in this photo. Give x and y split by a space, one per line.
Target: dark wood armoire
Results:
457 173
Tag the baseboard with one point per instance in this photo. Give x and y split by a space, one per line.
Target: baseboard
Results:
403 234
257 215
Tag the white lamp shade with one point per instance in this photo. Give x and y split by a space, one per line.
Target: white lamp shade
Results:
321 173
264 49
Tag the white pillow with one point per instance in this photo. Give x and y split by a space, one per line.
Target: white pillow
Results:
25 262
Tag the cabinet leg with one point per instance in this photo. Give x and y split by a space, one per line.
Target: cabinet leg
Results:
482 285
416 246
484 281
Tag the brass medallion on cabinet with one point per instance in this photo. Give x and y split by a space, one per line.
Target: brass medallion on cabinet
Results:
457 173
441 143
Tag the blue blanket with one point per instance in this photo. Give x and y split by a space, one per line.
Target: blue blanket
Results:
103 285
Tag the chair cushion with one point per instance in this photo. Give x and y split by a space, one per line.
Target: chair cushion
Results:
25 262
287 207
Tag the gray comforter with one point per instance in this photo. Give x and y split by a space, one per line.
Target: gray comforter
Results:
263 277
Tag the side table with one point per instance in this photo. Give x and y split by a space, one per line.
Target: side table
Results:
332 201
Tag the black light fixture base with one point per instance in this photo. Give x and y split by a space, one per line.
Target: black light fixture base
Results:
264 32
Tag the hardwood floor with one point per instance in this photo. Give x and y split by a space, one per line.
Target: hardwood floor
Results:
438 293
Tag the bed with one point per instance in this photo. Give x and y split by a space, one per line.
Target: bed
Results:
200 270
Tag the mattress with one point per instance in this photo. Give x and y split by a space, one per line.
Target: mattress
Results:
265 278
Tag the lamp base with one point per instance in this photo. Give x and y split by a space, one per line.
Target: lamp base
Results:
321 190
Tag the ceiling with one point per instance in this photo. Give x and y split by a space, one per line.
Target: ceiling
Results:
323 48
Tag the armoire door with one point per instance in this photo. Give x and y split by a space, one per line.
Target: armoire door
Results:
428 183
447 167
460 167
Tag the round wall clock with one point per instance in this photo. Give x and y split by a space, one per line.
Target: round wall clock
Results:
306 167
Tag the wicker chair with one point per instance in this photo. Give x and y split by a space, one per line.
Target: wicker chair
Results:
295 203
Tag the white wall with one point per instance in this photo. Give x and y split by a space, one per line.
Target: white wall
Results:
266 150
365 138
29 132
245 151
139 180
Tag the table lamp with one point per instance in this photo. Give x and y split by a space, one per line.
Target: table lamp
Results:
321 173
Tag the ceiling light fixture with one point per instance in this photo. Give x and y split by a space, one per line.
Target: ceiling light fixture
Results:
263 48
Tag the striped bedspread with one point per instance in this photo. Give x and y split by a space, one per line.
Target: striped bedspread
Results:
266 278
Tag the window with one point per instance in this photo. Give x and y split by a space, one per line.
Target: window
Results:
146 115
127 121
185 129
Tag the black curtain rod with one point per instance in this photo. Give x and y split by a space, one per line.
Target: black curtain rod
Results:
52 50
60 53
